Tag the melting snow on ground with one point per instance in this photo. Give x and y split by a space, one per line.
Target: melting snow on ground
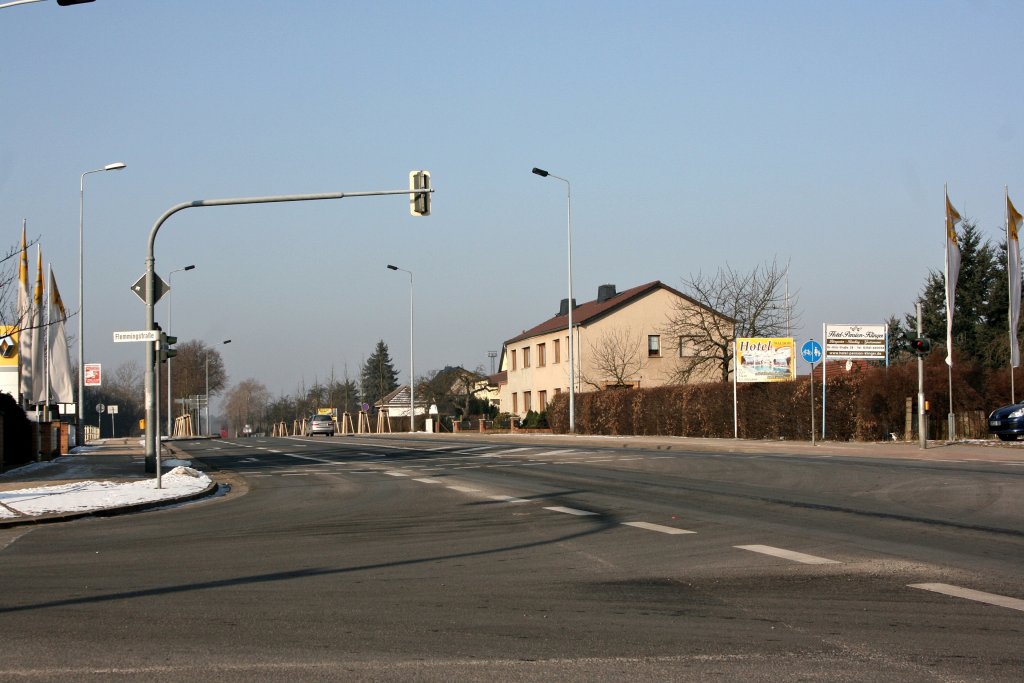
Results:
97 495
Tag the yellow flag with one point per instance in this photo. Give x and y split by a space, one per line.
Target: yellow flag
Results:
1013 219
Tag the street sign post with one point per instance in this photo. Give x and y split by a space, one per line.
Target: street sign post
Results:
811 352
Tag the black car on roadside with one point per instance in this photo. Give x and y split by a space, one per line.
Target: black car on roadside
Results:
1007 422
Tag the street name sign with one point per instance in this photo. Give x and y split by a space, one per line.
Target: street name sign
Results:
137 336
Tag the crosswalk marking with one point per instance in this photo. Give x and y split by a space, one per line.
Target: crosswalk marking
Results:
787 554
969 594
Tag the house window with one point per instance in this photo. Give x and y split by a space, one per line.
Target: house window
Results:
527 401
683 350
556 343
558 390
542 355
513 359
515 402
653 345
526 356
543 398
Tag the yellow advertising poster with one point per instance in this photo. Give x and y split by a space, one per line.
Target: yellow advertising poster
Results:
765 359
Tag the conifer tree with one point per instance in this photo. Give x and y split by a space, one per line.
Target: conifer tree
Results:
378 376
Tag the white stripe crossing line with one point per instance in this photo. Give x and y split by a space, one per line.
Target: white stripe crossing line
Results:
508 499
426 480
570 511
968 594
391 473
463 489
658 527
565 451
787 554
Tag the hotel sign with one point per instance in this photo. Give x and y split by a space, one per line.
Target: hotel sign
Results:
855 342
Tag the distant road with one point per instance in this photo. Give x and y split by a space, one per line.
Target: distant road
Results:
406 557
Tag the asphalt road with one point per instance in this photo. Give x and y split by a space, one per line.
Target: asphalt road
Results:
421 558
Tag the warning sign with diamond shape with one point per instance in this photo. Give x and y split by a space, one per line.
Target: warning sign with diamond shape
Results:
159 288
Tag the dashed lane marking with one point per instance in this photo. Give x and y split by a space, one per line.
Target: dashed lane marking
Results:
658 527
396 474
969 594
508 499
787 554
570 511
426 480
463 489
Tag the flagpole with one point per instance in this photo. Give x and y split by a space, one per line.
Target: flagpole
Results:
949 318
1010 292
46 346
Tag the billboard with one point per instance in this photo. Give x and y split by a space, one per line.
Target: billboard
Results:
855 342
765 359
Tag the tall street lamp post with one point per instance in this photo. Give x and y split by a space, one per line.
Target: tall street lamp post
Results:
412 367
572 357
170 293
210 431
116 166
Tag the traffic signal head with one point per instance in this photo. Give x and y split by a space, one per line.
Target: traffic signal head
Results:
166 342
920 345
419 202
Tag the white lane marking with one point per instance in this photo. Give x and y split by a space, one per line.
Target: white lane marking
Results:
396 474
425 480
463 489
570 511
968 594
787 554
562 451
508 499
509 451
658 527
472 450
598 460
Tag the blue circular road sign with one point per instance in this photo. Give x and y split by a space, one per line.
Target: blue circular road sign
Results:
811 351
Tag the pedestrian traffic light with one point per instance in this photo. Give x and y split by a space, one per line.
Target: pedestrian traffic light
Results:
419 202
919 345
166 342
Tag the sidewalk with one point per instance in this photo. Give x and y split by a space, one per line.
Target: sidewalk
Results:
106 477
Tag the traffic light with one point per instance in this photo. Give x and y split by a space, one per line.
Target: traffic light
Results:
919 345
166 342
419 202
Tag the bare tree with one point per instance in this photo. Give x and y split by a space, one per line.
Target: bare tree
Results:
615 358
189 368
730 304
247 403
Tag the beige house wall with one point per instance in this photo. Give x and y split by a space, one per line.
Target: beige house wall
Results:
536 373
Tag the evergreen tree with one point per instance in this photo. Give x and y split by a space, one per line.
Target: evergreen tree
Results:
378 377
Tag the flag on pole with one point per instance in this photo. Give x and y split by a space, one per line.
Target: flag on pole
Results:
38 338
24 323
60 357
1013 225
952 273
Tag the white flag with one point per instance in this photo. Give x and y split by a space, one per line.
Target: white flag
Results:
60 358
1013 224
38 337
952 273
24 324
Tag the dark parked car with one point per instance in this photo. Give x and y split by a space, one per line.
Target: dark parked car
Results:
320 424
1007 422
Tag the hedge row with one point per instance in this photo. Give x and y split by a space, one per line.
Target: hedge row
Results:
863 403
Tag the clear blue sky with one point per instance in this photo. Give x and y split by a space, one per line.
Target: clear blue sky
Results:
694 134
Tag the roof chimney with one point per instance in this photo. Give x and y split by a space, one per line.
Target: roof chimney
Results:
563 309
605 292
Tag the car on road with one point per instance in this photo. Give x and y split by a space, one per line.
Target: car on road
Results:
1007 422
320 424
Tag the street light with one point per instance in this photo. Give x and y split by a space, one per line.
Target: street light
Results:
412 367
226 341
170 291
116 166
572 363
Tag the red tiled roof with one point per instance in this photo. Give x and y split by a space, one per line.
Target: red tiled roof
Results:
592 310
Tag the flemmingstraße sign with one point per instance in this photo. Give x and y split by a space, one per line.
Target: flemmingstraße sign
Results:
855 342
